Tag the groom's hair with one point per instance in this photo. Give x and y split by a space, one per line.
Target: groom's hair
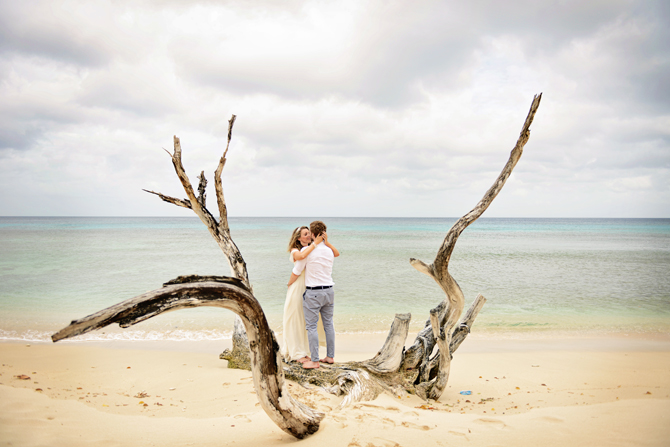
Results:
317 227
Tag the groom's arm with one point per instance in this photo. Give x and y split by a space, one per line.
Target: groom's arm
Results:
298 267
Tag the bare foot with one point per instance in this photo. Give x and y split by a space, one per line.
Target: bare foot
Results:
303 360
310 365
327 360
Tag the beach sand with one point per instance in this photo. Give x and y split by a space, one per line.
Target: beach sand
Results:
606 391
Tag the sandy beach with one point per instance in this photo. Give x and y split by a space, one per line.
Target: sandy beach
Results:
599 391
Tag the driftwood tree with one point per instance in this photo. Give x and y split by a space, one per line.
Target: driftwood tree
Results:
393 369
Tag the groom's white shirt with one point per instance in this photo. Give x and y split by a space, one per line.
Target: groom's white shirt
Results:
319 265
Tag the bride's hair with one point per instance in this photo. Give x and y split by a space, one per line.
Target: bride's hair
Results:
294 242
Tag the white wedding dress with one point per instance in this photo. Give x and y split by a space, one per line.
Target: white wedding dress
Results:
295 344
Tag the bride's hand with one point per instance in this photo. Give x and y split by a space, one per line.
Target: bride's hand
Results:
319 239
325 237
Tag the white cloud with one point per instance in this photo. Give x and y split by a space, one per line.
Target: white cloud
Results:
344 108
631 184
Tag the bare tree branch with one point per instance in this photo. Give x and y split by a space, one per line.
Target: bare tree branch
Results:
219 230
220 200
202 195
202 212
441 262
179 202
446 315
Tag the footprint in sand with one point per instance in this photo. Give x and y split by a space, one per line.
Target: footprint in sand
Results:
379 442
368 405
383 443
552 419
394 409
242 418
497 423
388 421
457 433
371 419
340 420
415 426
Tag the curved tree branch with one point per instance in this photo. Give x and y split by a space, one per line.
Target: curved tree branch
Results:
444 317
441 262
289 414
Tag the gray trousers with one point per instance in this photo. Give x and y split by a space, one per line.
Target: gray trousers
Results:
315 302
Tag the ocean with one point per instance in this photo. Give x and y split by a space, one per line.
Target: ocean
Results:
543 277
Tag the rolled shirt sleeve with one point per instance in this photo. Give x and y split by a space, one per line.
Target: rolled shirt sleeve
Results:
299 266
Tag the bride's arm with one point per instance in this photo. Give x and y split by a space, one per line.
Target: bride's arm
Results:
300 255
336 253
292 278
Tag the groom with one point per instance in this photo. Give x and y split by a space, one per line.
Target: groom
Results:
319 295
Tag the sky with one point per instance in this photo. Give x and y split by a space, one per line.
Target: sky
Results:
344 108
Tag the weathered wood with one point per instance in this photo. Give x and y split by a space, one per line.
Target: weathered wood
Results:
433 388
463 328
448 313
238 357
390 356
185 203
221 234
202 185
289 414
438 270
364 380
220 200
220 230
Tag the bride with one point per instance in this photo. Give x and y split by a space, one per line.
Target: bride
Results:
295 345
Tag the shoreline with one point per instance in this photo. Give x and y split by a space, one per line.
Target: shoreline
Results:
371 342
588 391
194 337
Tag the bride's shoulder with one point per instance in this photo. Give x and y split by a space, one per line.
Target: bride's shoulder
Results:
293 251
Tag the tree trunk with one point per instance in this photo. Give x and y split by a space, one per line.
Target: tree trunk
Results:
393 369
239 357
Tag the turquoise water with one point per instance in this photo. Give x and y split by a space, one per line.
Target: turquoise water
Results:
538 275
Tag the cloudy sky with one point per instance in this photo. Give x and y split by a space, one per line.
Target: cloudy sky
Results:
345 108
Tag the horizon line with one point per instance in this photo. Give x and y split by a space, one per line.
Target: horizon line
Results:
326 217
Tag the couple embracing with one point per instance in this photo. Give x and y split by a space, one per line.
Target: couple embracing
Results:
310 293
